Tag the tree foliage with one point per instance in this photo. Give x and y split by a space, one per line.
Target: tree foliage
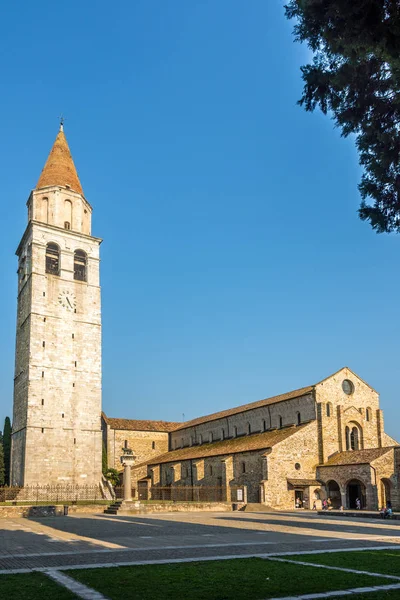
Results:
7 449
104 465
355 76
2 473
113 476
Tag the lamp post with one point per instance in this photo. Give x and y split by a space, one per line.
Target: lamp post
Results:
127 460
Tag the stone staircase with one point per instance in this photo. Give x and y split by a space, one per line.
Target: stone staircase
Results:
113 508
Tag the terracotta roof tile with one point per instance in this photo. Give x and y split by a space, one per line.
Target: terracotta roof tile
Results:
303 482
244 407
59 168
353 457
137 425
258 441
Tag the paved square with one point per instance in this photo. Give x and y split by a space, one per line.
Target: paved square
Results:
94 539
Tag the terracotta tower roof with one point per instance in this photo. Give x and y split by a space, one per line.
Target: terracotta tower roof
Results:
59 168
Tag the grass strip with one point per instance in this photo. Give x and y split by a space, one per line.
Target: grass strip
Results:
32 586
217 580
386 561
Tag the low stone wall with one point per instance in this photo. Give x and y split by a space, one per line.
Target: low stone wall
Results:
57 510
166 507
54 510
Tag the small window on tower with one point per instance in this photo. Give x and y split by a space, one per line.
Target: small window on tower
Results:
52 259
67 225
80 260
153 445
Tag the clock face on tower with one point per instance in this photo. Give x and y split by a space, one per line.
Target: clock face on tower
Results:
67 300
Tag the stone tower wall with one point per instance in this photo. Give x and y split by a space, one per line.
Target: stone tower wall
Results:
57 401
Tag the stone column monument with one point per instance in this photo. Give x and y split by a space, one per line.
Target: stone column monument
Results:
127 460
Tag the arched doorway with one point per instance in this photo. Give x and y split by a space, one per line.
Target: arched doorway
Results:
333 492
355 489
386 487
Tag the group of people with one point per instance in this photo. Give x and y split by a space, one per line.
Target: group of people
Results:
386 512
326 504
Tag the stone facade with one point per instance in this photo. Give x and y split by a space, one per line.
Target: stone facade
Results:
147 439
56 435
326 440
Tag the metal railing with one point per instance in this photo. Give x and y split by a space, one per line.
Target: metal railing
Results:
186 494
180 493
51 493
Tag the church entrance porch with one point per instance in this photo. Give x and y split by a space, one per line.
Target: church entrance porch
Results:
356 490
333 492
386 496
299 499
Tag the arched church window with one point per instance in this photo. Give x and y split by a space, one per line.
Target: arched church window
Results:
80 262
354 441
347 432
298 418
52 259
368 414
44 217
248 428
280 422
328 409
68 211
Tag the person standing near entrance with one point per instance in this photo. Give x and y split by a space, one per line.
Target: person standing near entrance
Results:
358 504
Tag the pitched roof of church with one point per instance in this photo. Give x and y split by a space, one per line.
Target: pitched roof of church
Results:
59 168
137 425
258 441
260 403
244 407
352 457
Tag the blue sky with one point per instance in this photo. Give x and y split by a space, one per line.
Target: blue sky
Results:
234 266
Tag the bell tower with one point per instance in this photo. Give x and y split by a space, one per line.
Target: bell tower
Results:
56 435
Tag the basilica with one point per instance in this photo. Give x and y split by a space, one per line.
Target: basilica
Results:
325 440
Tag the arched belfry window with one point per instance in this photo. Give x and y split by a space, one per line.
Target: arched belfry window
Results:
80 265
52 259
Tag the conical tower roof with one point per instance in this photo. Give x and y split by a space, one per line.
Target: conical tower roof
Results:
59 168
